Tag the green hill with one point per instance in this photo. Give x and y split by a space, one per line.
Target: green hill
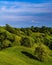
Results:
25 46
14 56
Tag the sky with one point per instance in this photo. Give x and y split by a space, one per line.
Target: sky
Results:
26 13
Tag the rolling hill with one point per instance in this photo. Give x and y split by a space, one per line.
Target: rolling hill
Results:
18 45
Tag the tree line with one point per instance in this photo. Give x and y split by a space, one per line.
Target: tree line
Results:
10 36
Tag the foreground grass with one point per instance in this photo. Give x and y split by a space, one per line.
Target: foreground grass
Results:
14 56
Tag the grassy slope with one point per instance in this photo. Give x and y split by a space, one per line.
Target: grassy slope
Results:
14 56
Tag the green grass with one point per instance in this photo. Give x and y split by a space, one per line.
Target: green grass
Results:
14 56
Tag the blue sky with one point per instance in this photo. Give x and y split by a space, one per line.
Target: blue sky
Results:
26 13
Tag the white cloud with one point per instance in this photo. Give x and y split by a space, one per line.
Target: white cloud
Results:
16 18
19 8
33 19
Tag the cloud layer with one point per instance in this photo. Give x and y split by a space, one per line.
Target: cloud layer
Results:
25 12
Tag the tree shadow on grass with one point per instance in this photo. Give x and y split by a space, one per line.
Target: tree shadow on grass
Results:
29 55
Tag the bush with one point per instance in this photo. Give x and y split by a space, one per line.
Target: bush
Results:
10 29
9 36
17 40
41 52
50 44
27 41
6 43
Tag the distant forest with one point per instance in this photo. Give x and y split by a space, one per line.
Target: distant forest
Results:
10 36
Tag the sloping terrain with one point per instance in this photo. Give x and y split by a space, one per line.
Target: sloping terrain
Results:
15 56
18 45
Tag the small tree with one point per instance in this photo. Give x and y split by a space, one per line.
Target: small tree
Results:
27 41
6 43
40 52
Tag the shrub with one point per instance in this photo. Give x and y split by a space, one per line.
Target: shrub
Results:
17 40
27 41
6 43
50 44
41 52
9 36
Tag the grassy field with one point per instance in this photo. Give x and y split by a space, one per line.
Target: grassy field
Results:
20 56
